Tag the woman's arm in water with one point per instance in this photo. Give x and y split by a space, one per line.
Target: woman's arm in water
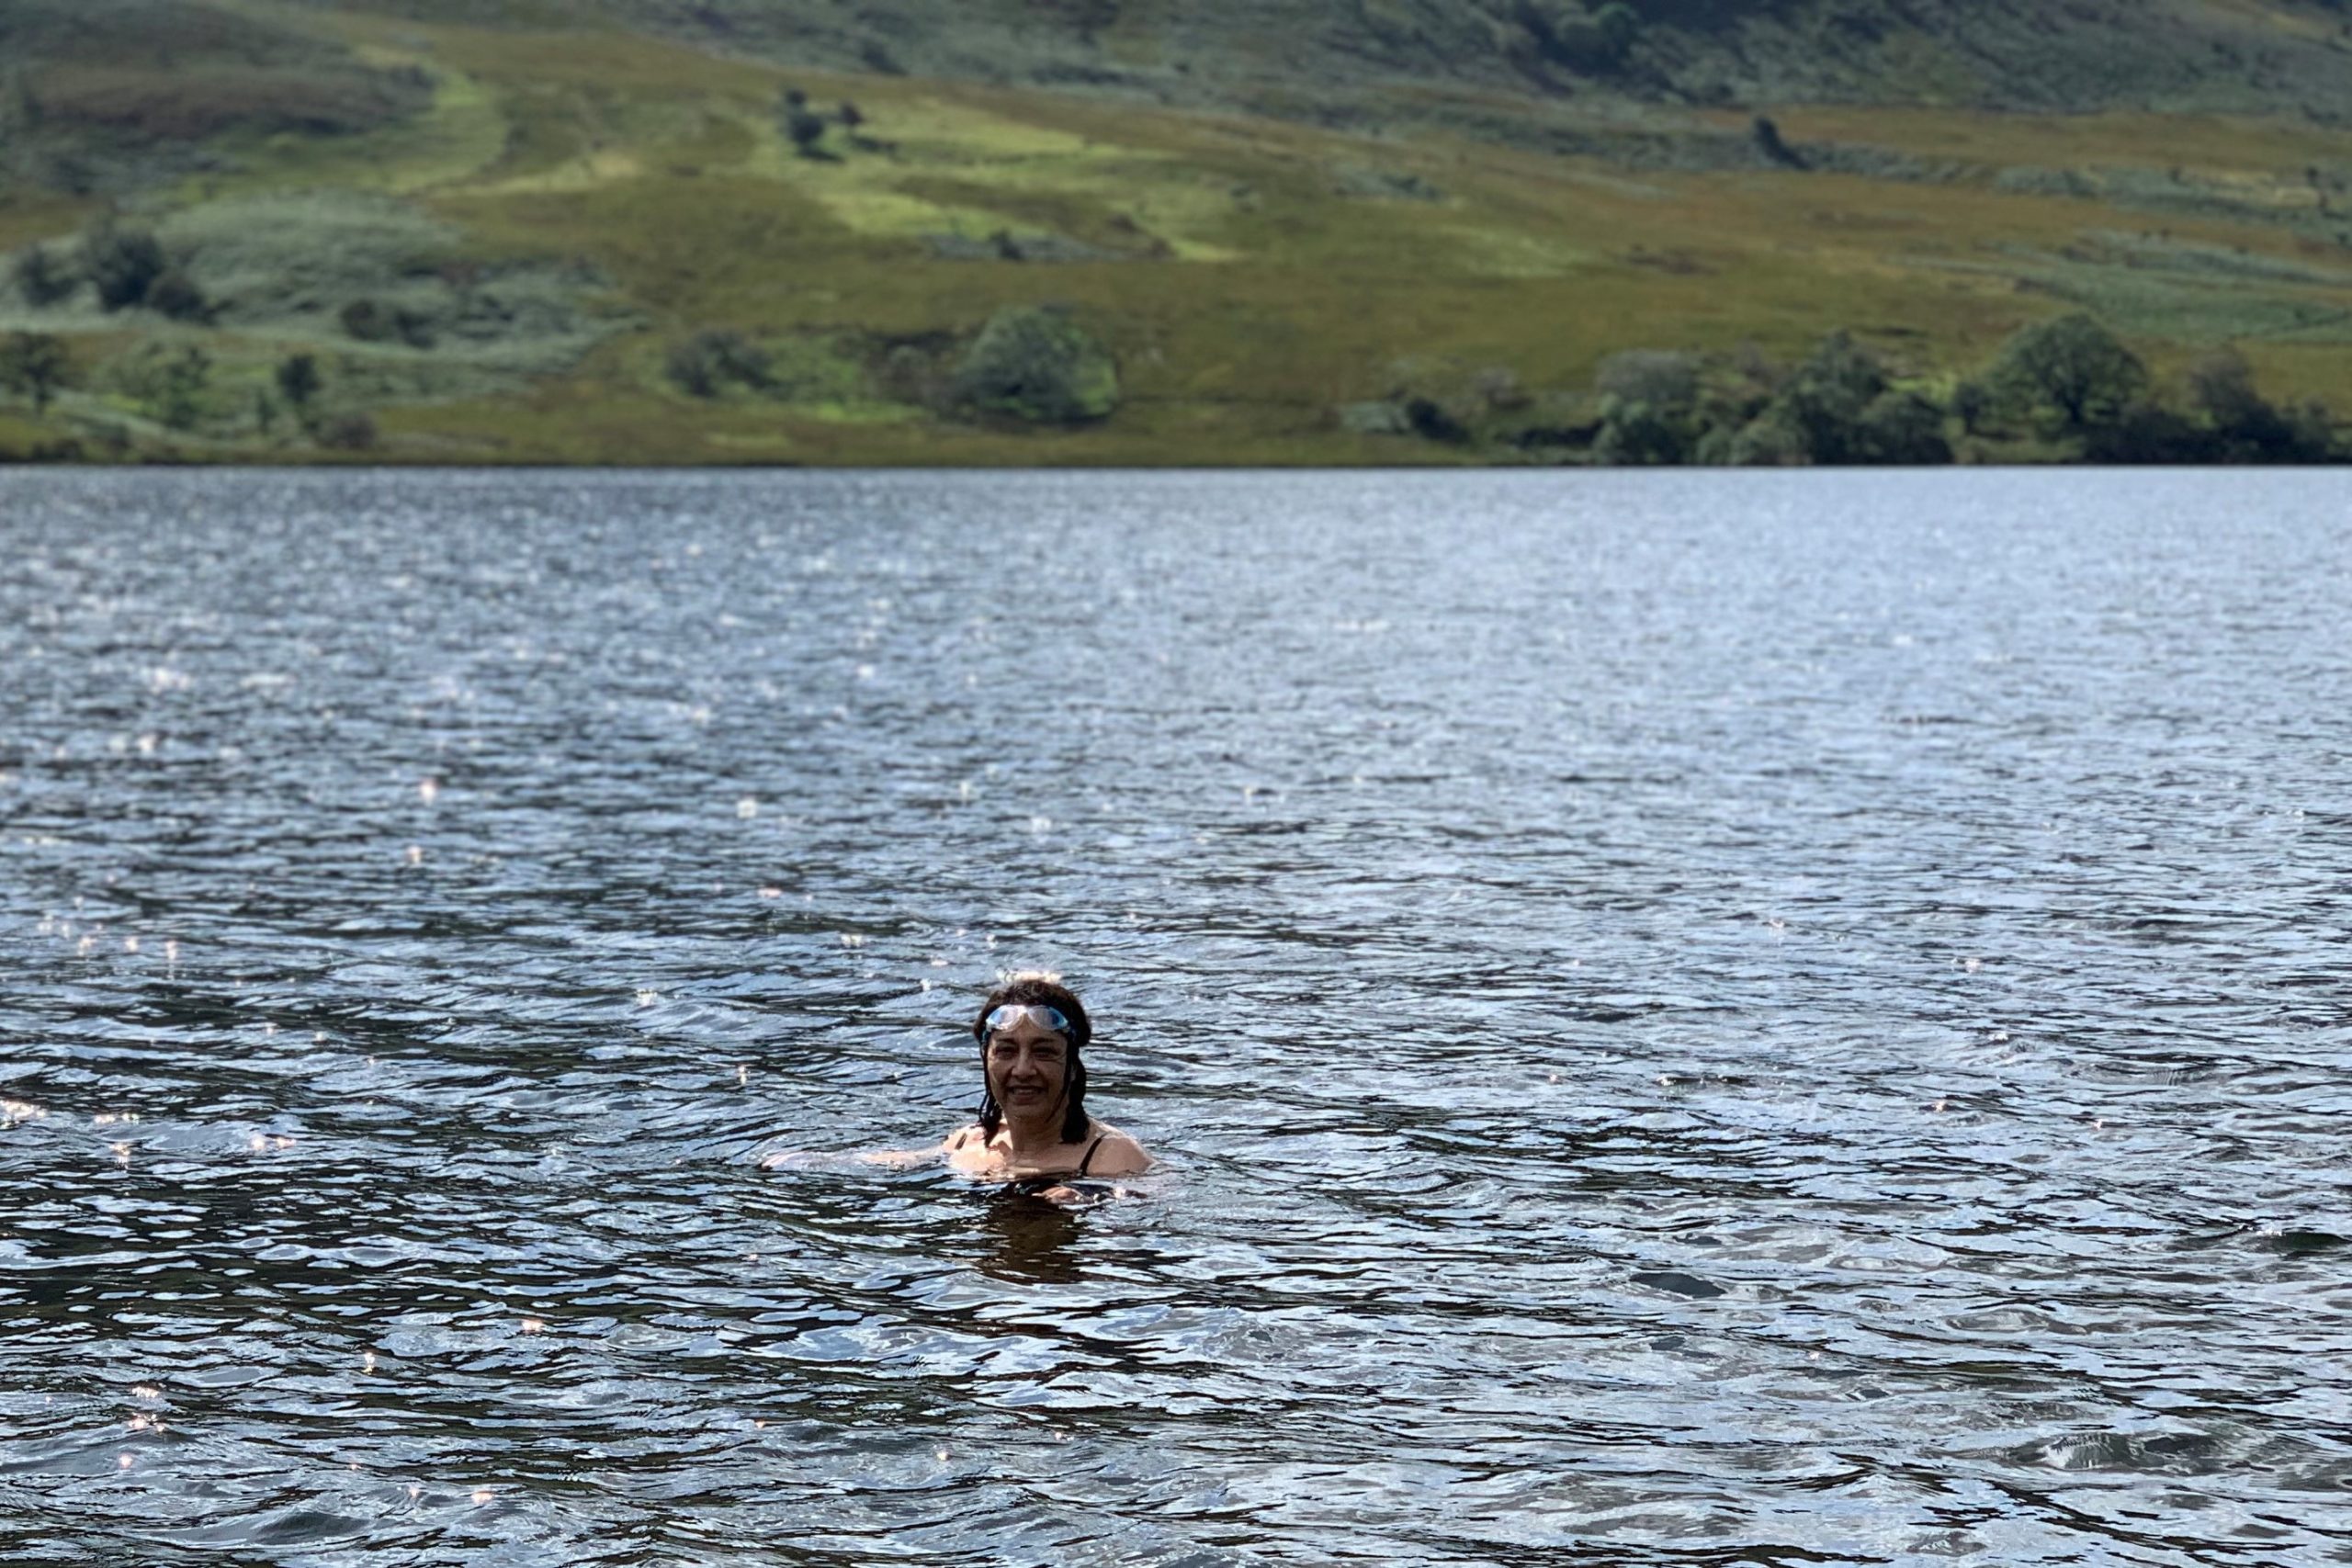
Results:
896 1159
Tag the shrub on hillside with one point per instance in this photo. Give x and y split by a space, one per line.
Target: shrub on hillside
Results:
1592 42
174 294
1033 363
42 280
1767 441
1645 434
1901 430
372 320
709 362
122 264
1659 377
1650 404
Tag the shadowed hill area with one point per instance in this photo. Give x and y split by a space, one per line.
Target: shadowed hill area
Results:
109 94
1383 230
1352 58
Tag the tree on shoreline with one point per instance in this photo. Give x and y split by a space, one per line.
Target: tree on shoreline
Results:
2068 383
2069 375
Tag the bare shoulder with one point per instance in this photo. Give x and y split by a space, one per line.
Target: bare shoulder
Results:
1118 1155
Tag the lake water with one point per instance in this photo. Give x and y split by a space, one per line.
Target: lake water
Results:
1691 1019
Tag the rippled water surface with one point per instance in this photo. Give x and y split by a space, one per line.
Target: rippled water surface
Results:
1692 1019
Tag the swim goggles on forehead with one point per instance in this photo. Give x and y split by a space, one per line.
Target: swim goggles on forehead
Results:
1038 1013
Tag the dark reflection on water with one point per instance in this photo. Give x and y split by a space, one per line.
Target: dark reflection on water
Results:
1696 1020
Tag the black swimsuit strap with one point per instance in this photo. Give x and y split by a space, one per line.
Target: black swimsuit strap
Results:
1088 1159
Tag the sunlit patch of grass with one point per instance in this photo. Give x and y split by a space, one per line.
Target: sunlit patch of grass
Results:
580 173
958 166
460 134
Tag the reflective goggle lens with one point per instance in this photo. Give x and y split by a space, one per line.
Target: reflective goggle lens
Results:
1038 1013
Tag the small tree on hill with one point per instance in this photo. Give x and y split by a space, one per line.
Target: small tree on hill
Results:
807 130
298 382
34 365
2071 373
1768 142
1970 402
177 388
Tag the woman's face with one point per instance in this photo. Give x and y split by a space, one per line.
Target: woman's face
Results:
1028 1068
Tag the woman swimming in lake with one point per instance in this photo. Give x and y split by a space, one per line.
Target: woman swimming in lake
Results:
1033 1130
1033 1127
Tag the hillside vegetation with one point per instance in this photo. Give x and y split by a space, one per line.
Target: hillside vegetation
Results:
1141 231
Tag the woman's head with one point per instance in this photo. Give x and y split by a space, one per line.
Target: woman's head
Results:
1031 1030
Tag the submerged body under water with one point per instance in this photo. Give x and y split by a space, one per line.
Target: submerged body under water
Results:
1688 1019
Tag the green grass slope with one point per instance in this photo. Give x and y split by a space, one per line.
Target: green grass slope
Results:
1268 234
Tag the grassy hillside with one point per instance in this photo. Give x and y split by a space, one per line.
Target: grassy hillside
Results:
554 240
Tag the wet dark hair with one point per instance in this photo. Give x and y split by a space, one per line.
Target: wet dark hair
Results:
1035 990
